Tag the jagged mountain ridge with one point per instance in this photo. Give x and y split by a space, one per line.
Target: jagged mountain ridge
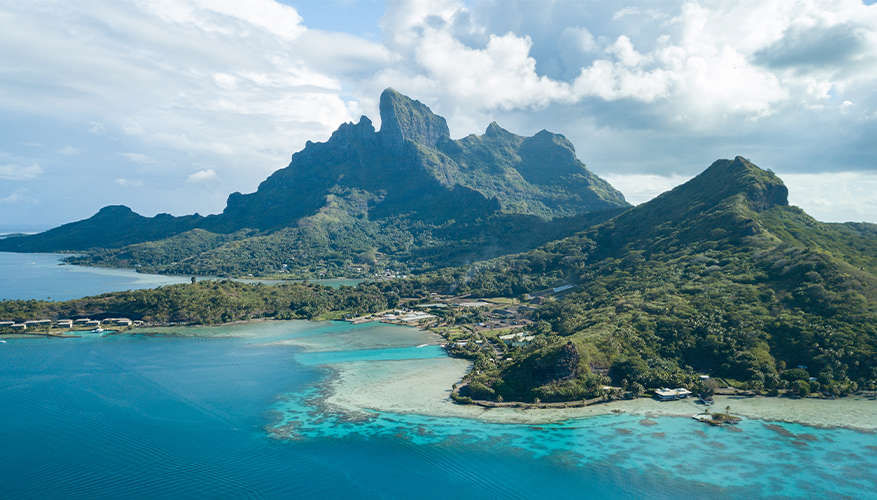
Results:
409 176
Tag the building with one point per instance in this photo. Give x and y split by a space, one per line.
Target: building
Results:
665 394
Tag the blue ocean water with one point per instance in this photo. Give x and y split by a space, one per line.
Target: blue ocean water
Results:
235 412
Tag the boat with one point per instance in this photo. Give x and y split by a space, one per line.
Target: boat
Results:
97 330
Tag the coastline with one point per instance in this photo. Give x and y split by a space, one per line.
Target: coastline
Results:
424 386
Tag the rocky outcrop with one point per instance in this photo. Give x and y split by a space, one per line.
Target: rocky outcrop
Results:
567 363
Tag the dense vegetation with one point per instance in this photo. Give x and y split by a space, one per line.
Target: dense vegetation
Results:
718 276
211 302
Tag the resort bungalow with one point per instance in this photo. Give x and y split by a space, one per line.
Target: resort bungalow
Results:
517 339
6 324
64 323
92 323
18 326
665 394
122 321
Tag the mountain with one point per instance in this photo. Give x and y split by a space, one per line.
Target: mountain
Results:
719 275
406 191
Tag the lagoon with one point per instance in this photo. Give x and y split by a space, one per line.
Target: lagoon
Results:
42 276
285 409
25 276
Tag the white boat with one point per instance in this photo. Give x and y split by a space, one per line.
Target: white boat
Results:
97 330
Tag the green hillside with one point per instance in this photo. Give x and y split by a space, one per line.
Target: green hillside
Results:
719 276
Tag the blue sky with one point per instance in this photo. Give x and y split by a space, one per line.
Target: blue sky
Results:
171 105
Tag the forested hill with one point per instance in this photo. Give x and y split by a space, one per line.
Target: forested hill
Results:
719 275
408 191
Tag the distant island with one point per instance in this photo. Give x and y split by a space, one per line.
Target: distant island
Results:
529 265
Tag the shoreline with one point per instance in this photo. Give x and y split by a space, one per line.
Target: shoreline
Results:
423 387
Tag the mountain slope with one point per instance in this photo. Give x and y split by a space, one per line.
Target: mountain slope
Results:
364 191
719 275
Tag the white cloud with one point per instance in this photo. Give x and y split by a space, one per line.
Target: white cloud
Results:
644 88
129 183
17 172
68 150
18 196
207 176
640 188
834 196
97 128
138 158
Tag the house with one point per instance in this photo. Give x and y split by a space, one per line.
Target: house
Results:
415 316
64 323
665 394
122 321
18 326
517 339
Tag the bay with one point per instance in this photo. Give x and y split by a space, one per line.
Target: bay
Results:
243 411
26 276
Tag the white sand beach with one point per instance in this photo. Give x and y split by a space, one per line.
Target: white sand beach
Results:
424 387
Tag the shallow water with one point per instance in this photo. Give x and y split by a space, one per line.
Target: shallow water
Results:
25 276
242 411
42 276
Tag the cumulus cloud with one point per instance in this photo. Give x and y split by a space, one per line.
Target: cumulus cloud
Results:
207 176
834 196
708 59
244 83
68 150
18 172
647 88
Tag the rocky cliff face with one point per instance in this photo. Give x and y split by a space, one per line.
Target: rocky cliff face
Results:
413 166
404 119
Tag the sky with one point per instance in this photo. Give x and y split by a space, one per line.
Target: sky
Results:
168 106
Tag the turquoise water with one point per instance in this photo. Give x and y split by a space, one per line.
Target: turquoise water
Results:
25 276
238 412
